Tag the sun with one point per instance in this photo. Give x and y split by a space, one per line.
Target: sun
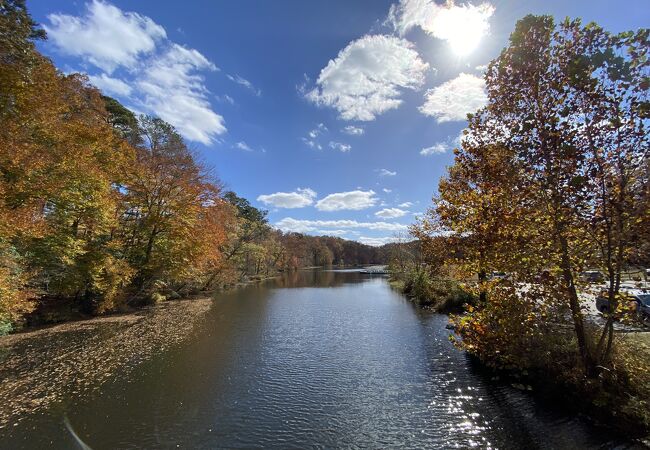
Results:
463 27
465 41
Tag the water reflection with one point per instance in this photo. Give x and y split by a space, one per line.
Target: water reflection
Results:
319 278
289 364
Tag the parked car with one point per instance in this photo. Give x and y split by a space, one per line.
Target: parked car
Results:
592 276
498 276
641 300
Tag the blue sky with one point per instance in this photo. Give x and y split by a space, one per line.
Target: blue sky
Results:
337 116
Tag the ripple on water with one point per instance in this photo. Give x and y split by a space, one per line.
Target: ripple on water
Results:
317 361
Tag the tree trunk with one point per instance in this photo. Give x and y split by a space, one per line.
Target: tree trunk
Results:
574 305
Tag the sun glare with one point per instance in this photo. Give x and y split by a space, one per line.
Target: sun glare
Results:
463 27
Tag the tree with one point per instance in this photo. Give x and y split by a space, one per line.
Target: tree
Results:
123 121
549 172
165 196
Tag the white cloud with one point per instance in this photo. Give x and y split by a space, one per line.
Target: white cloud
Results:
443 147
386 173
391 213
305 226
453 100
377 242
312 143
105 35
243 146
353 200
320 129
353 131
340 147
435 149
109 85
462 26
405 205
225 98
298 199
171 89
158 76
244 82
388 191
367 77
312 136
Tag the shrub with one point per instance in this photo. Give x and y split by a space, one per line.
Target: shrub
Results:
442 295
157 297
6 327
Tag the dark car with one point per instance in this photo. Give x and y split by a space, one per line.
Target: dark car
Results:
592 276
641 300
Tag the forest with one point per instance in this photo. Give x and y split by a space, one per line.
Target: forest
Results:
103 210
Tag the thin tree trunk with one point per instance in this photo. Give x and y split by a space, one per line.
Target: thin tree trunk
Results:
574 305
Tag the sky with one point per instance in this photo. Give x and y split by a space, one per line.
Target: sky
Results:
338 117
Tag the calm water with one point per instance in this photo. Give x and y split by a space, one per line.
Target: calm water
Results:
316 359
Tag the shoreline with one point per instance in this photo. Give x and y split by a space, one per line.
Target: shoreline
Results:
549 386
82 355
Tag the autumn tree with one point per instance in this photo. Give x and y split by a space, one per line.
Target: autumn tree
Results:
59 160
548 172
17 59
608 109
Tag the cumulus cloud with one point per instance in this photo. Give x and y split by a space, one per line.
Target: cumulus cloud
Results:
297 199
367 77
106 36
352 200
388 191
156 76
172 89
244 82
377 241
462 26
353 131
391 213
386 173
453 100
109 85
340 147
333 232
405 205
435 149
307 226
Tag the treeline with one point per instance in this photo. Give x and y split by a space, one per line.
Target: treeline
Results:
105 209
552 179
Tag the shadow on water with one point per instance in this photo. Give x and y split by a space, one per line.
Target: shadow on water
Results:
312 359
318 279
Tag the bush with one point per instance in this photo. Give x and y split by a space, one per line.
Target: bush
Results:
442 295
528 336
173 295
157 297
6 327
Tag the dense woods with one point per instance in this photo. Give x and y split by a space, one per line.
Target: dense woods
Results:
102 209
552 179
